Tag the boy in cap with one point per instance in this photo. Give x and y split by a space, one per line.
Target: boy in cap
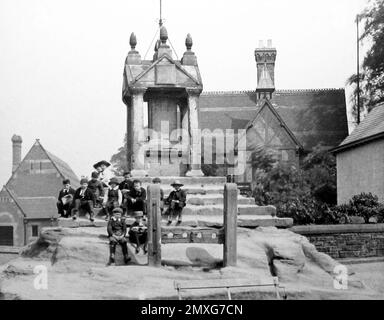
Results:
136 197
83 199
96 186
177 201
65 199
113 198
138 232
117 230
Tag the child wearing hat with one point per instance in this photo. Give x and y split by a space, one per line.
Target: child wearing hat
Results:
113 198
84 200
96 186
65 199
117 230
177 201
138 232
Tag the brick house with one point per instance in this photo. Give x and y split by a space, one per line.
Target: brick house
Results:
360 159
288 123
28 200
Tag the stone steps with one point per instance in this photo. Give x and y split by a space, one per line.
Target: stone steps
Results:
217 210
213 199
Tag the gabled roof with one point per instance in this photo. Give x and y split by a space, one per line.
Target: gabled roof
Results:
169 61
313 116
34 207
14 198
265 103
371 128
38 208
61 166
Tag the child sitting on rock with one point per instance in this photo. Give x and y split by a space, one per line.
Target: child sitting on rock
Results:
177 201
117 230
138 232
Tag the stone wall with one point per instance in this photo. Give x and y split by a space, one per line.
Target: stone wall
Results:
346 241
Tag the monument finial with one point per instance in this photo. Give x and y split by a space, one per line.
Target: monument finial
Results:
133 41
163 35
188 42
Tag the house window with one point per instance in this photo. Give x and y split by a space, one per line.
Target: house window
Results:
35 231
6 235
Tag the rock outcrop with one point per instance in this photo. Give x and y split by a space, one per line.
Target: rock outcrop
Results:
76 258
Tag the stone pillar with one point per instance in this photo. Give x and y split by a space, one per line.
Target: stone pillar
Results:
154 225
136 132
195 134
230 225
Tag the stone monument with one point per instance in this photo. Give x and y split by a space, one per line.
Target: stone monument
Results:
171 90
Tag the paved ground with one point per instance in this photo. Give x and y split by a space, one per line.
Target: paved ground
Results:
372 274
5 257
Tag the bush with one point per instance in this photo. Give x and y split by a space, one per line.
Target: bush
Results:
367 206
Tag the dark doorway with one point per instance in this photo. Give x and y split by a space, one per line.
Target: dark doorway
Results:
6 236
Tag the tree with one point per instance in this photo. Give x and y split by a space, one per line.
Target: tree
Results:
119 159
372 75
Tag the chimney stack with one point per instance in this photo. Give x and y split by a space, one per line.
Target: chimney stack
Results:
16 151
265 61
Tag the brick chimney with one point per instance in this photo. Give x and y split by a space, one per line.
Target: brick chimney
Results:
265 62
16 151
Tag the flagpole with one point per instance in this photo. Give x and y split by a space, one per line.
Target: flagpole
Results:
358 71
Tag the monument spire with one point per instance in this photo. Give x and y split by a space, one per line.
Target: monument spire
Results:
161 19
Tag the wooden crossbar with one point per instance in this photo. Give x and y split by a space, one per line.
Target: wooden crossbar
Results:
196 285
192 235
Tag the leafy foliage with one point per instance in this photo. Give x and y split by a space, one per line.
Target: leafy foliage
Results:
372 75
119 159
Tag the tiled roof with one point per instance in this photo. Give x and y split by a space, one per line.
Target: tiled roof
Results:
38 208
371 127
40 174
313 116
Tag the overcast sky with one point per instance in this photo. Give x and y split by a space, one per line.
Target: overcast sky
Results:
61 61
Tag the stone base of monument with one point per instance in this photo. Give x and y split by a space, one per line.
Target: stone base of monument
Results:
205 204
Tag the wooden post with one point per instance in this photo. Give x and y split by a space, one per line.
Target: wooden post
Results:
230 224
154 225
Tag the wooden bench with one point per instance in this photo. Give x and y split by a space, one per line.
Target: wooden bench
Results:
228 284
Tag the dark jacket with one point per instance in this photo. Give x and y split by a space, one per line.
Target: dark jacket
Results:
96 186
88 195
179 195
126 185
133 194
63 193
117 227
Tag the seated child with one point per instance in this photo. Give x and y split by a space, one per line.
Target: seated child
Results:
84 200
96 186
65 199
117 230
136 198
113 198
138 232
177 201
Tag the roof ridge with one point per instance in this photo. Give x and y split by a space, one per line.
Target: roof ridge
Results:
285 91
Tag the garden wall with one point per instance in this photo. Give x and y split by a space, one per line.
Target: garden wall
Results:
346 241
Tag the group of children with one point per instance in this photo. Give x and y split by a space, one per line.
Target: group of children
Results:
118 200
